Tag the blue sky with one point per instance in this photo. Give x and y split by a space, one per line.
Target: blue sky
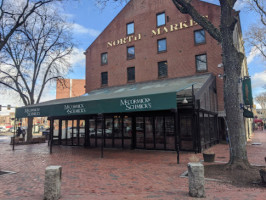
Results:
89 20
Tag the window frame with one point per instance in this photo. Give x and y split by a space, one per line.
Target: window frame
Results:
130 58
106 58
160 13
195 37
133 80
102 84
133 28
165 76
205 70
165 45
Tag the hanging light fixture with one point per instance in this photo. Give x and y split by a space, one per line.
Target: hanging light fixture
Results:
185 101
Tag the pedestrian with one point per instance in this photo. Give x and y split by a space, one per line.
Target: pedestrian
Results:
19 132
23 133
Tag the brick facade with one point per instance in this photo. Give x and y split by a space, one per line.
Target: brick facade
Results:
181 48
72 88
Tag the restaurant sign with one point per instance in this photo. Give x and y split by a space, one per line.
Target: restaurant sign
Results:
152 102
247 91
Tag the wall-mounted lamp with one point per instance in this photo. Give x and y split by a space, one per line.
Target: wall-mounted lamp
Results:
185 100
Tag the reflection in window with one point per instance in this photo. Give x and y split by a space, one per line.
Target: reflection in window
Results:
199 36
161 45
161 19
201 62
104 58
130 52
130 28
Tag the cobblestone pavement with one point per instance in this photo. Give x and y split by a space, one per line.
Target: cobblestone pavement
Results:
121 174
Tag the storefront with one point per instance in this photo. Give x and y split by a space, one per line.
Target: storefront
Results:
158 115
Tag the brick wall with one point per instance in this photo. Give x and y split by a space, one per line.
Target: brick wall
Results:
180 53
71 88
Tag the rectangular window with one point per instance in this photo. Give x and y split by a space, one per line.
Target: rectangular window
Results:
130 28
160 19
161 45
201 62
162 69
104 58
199 37
131 74
104 76
130 52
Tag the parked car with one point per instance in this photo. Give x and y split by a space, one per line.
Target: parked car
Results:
11 129
3 129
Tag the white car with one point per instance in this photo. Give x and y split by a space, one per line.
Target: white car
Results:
3 129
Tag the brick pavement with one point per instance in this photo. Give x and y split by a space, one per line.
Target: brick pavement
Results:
119 175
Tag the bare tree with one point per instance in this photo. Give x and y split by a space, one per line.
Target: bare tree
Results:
14 13
35 56
258 6
256 36
261 99
232 62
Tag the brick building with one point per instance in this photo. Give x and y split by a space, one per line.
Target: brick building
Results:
152 82
70 88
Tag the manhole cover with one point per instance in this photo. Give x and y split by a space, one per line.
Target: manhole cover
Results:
6 172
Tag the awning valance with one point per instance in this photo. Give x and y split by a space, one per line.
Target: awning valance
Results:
152 102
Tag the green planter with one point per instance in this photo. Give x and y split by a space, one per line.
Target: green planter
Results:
208 157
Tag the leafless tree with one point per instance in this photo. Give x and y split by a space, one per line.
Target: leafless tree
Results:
261 99
36 55
259 7
14 13
256 36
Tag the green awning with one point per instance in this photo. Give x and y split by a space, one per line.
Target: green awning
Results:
117 105
149 96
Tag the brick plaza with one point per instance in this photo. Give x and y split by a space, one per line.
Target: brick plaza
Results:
129 174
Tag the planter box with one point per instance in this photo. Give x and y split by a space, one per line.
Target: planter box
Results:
208 157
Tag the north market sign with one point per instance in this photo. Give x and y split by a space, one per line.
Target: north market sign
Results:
155 32
164 101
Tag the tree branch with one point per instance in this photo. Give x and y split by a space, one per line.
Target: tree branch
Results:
184 6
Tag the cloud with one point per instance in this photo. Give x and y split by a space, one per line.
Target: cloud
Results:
258 81
77 58
253 53
79 29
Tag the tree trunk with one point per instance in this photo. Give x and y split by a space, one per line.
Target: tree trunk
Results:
29 131
232 60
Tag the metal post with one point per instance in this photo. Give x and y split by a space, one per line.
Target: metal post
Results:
51 134
177 151
15 128
101 116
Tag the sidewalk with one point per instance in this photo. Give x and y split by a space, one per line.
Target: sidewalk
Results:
131 175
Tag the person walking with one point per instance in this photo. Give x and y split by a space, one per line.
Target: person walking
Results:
19 132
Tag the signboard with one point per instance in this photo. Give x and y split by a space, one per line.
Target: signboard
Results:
247 92
248 114
162 101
